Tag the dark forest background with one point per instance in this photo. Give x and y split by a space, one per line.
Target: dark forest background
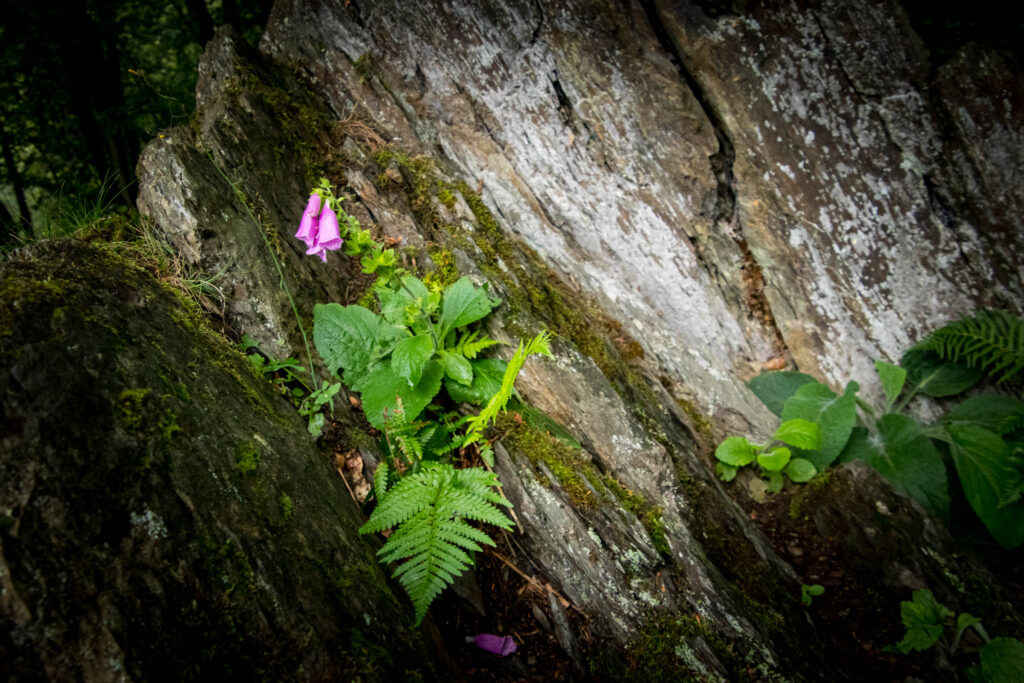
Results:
84 85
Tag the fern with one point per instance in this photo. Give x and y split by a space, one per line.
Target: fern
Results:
402 433
469 346
992 340
380 480
430 509
537 345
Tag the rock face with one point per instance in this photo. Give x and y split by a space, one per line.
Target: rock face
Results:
163 513
682 192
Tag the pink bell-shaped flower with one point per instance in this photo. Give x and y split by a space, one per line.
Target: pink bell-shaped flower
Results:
310 222
328 237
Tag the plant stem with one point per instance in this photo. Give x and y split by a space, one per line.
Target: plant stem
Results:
423 311
277 264
906 400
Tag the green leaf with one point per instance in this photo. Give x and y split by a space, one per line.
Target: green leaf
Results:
487 375
801 470
907 458
936 377
775 481
773 388
736 451
410 356
923 618
345 337
835 415
892 377
963 622
991 340
383 385
316 424
725 472
463 304
988 411
457 368
774 460
989 479
1002 660
807 592
801 433
394 302
431 508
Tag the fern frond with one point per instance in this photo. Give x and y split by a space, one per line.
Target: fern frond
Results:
380 480
403 433
430 508
992 340
537 345
469 346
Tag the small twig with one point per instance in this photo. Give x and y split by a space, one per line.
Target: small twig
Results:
354 499
544 588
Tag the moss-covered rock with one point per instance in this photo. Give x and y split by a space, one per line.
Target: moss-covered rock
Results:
164 512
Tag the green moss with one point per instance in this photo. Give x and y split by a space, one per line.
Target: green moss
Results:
285 502
699 420
663 651
130 405
424 185
805 493
247 457
181 391
561 460
444 273
650 516
229 564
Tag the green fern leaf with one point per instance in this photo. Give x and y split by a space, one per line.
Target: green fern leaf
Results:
430 509
469 346
537 345
380 480
992 340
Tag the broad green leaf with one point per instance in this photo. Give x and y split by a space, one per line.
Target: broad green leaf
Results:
987 411
725 472
800 470
836 415
457 368
907 458
316 424
345 337
775 481
487 375
892 377
463 304
383 385
736 451
1002 661
923 618
990 480
410 356
963 622
801 433
854 448
773 388
936 377
774 460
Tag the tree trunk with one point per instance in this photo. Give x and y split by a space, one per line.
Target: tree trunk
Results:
24 221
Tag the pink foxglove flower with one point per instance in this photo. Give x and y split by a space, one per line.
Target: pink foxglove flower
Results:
319 228
499 645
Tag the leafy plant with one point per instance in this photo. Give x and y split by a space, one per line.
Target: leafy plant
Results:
1001 660
410 359
980 439
809 592
992 341
775 457
430 508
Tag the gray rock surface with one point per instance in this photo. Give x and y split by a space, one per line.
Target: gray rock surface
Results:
683 196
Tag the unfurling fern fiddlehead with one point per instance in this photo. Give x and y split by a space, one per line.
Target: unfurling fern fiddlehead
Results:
431 508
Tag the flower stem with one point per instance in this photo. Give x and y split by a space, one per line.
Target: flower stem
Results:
277 264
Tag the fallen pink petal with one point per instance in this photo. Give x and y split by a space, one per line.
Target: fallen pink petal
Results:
499 645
